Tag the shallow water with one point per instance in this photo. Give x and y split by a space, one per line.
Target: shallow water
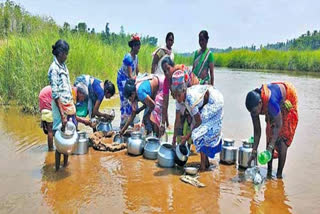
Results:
102 182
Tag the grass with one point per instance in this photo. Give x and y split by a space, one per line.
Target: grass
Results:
24 63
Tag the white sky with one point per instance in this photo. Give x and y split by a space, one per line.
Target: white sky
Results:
229 22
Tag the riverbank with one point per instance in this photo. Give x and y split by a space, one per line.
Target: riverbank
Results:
305 61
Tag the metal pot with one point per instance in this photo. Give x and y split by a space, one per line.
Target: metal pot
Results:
245 152
82 144
229 152
135 144
104 126
151 148
166 156
182 153
65 141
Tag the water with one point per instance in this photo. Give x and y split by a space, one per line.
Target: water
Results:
102 182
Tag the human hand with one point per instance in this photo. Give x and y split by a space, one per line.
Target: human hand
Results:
162 130
252 157
184 139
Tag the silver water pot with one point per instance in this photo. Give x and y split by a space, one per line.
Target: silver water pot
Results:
245 152
82 144
135 144
104 126
166 155
65 141
228 154
151 148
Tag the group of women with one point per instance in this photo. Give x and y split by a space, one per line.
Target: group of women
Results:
199 105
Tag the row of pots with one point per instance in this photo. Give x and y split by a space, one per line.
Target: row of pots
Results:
152 149
229 153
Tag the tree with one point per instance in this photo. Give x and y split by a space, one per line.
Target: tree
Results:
122 30
66 26
82 27
107 29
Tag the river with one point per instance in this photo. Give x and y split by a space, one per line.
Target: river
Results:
102 182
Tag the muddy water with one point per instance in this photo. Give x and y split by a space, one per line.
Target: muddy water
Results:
114 182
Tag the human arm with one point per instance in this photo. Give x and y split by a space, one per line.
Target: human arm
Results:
164 114
177 124
275 130
155 62
198 122
137 70
131 118
84 121
256 136
211 67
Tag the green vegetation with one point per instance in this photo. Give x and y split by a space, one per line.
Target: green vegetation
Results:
25 56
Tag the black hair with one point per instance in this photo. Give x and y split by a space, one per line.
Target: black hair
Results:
168 35
204 34
109 87
253 98
59 47
129 88
168 60
133 43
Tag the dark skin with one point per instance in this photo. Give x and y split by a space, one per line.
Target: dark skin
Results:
134 51
148 102
95 111
155 60
203 42
276 125
47 128
180 97
168 71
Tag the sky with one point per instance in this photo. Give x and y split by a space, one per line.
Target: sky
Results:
233 23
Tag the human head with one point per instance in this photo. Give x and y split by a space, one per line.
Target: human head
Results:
129 91
109 89
169 40
60 50
166 65
178 85
254 102
134 43
82 92
203 39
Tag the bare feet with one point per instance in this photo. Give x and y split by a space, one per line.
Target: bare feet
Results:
279 176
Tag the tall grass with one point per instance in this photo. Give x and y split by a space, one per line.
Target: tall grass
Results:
24 63
270 59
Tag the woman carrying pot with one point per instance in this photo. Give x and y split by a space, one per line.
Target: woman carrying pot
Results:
279 103
205 104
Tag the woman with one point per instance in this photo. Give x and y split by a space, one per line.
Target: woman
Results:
97 90
203 66
63 107
128 70
160 54
147 90
45 99
169 68
205 104
279 103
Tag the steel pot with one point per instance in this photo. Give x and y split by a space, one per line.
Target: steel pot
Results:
151 148
104 126
229 152
135 144
65 141
166 156
82 144
182 153
245 152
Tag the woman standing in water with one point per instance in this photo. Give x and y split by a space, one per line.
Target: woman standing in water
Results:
205 104
63 107
279 103
160 54
128 70
203 66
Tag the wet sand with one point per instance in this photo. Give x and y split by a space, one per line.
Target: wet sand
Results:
102 182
